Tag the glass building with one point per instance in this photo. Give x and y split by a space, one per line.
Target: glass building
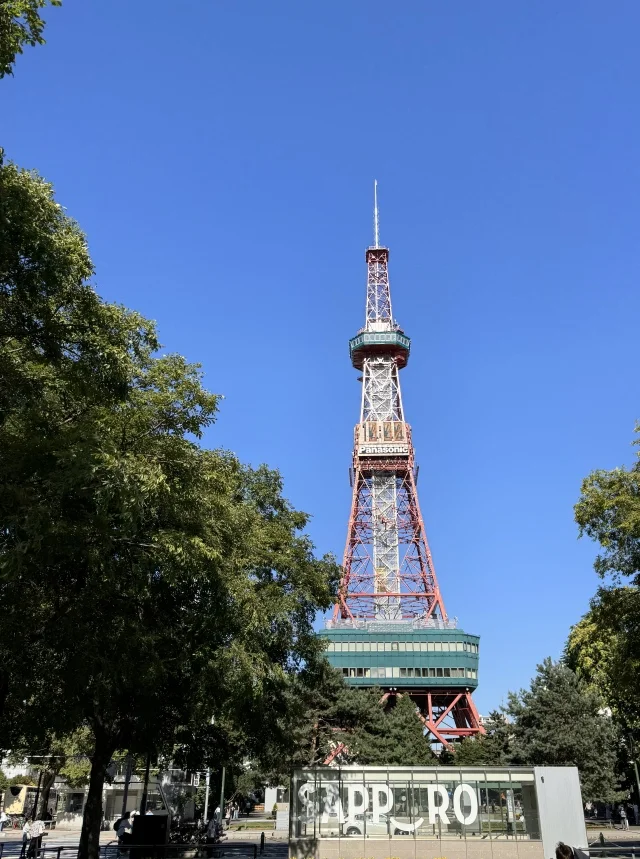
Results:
430 813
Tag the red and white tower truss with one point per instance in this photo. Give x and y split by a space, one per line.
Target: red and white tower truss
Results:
389 594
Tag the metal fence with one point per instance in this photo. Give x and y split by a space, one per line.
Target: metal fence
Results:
144 851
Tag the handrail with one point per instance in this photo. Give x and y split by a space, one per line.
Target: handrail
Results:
113 846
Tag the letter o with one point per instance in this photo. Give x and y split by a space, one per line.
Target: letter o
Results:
457 804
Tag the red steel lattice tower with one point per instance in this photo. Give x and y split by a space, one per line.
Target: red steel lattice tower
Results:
390 604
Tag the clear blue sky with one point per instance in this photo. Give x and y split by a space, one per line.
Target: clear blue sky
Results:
220 156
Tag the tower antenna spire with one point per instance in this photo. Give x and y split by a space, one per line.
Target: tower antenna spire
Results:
376 219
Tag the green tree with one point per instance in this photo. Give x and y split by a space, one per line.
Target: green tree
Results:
332 712
65 756
604 650
167 584
20 24
560 721
323 711
609 512
22 779
407 745
492 749
604 647
66 358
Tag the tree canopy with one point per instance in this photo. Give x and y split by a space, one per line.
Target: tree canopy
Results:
20 24
609 512
171 589
491 749
560 721
604 649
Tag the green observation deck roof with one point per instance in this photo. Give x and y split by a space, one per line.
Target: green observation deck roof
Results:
379 341
404 658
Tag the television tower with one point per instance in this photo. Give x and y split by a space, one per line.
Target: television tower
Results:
390 627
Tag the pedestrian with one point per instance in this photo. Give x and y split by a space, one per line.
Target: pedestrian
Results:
212 829
124 830
26 837
37 831
3 819
624 820
227 814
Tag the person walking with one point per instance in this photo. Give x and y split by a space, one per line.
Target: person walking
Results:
624 820
26 837
3 819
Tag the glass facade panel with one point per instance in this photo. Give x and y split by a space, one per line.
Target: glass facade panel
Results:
414 803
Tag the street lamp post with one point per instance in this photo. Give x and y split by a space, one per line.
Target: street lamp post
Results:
222 795
206 794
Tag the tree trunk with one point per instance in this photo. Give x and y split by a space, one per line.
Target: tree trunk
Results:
4 690
47 783
90 836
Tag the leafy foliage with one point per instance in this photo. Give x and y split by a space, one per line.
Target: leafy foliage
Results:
21 779
604 649
492 749
66 359
168 584
406 745
329 711
609 511
560 721
20 24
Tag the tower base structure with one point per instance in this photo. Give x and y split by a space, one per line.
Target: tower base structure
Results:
432 661
448 714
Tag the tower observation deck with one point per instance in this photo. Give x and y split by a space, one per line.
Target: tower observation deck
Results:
390 627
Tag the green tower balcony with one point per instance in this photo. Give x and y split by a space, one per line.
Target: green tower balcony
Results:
407 658
394 343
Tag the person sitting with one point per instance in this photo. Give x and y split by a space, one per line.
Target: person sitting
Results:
563 851
124 829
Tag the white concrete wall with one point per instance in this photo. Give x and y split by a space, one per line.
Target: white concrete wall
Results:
270 799
560 808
